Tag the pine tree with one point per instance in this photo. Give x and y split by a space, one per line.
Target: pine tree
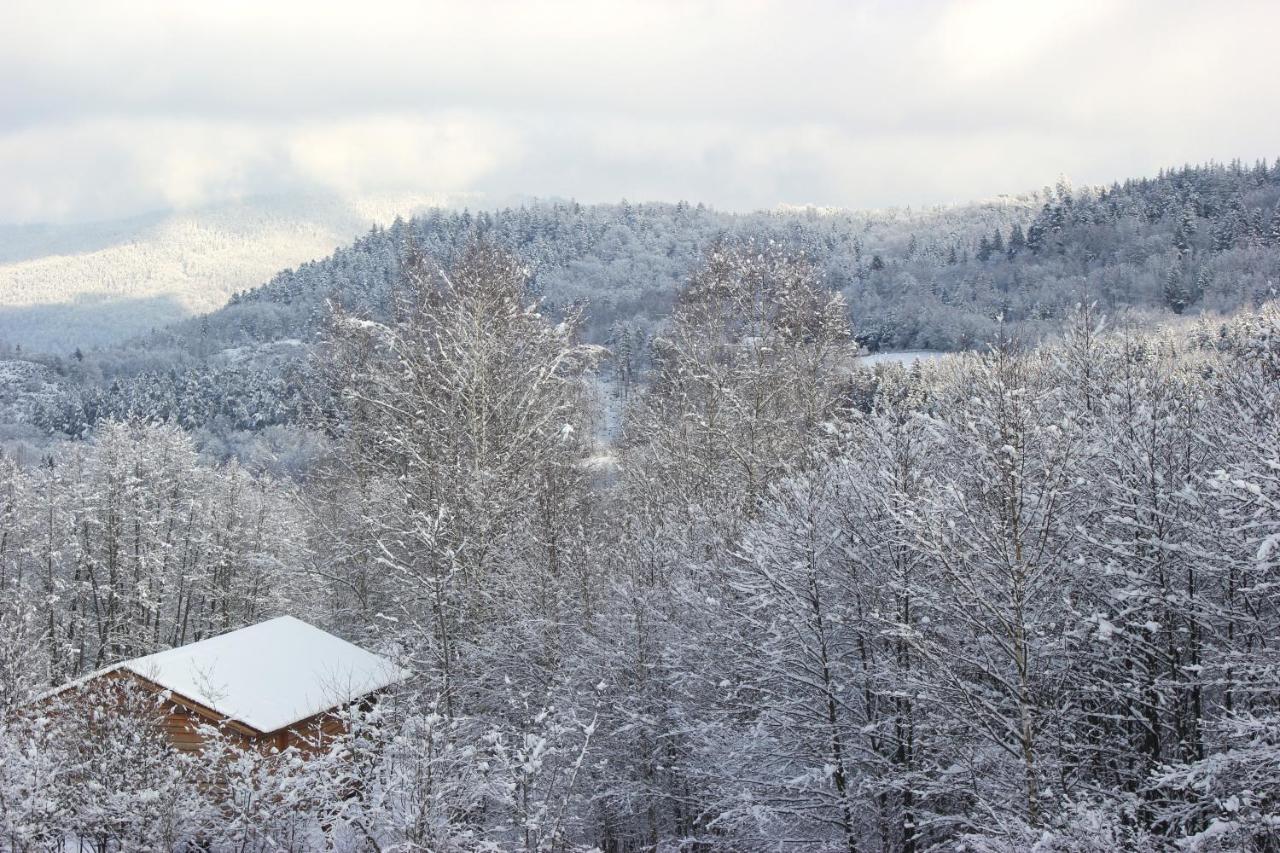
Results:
1176 293
1185 231
1017 241
1035 238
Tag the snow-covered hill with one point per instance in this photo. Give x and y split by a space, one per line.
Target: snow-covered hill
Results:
82 285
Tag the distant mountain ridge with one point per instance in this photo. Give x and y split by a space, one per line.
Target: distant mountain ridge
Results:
68 286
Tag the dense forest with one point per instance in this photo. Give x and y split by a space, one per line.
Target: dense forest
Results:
1203 239
1018 598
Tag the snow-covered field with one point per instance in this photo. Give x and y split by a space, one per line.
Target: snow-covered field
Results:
906 358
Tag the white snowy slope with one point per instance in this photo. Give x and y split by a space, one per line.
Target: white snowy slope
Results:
270 675
63 286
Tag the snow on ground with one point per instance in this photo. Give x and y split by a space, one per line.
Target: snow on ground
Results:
242 354
270 675
906 359
607 430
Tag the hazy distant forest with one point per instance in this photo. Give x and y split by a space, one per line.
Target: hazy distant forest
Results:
670 570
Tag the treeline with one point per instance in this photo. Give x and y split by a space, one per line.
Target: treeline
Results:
1020 599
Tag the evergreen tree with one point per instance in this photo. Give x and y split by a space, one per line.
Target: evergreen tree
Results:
1017 241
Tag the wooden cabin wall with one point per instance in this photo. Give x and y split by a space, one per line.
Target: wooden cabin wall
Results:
181 719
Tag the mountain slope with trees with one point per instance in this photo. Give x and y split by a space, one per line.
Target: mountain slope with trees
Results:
1191 240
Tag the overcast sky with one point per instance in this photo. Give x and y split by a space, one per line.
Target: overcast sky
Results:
113 108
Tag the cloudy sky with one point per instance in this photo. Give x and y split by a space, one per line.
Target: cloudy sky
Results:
113 108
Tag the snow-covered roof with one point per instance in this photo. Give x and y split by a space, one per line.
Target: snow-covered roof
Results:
75 684
270 675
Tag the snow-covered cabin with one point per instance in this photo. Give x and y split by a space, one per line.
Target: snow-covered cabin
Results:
274 684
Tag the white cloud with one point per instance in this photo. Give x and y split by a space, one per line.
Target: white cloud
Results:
113 107
448 153
104 167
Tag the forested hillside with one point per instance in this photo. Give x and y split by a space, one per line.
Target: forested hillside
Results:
1195 239
1016 599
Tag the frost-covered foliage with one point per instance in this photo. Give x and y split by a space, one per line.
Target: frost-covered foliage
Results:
1022 599
127 545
